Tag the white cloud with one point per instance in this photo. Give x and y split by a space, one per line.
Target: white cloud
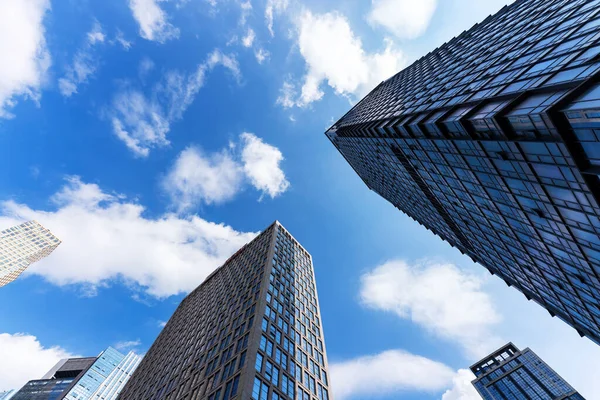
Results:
261 55
388 373
84 63
112 237
25 57
127 345
198 178
248 40
153 21
146 65
161 324
462 389
120 38
23 358
274 7
335 55
446 301
142 122
287 95
406 19
262 165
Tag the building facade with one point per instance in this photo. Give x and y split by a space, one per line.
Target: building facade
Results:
106 376
510 373
251 330
7 395
492 142
57 382
22 245
116 380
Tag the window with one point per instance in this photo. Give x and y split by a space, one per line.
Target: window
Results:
231 388
260 390
258 364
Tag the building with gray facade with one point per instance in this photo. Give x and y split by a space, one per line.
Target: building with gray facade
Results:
492 142
510 373
251 330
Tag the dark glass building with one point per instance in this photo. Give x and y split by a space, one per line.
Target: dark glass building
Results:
57 382
492 142
251 330
510 373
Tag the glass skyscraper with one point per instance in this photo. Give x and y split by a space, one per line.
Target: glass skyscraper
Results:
105 377
492 142
22 245
97 378
251 330
510 373
7 395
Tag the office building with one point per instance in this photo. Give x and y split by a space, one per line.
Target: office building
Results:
22 245
492 142
510 373
251 330
116 380
106 376
7 395
57 382
98 378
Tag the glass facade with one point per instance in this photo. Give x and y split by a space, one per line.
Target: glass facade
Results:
492 142
21 246
105 378
251 330
110 388
7 395
513 374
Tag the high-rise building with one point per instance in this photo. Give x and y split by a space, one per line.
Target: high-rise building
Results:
510 373
57 382
22 245
106 376
98 378
116 380
7 395
251 330
492 142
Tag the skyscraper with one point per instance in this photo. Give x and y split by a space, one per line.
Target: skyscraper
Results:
510 373
98 378
491 142
7 395
251 330
106 376
57 382
22 245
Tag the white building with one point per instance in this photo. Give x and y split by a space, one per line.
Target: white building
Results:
21 246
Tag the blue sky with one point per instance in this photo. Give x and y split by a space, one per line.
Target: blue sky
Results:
156 137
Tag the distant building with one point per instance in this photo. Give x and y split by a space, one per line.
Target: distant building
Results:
7 395
57 382
22 245
99 378
106 376
251 330
492 142
510 373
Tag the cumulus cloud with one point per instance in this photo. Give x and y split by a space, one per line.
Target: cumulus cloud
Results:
334 54
153 21
406 19
261 55
142 122
25 57
446 301
273 8
262 165
85 63
23 358
462 389
198 178
115 241
388 373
